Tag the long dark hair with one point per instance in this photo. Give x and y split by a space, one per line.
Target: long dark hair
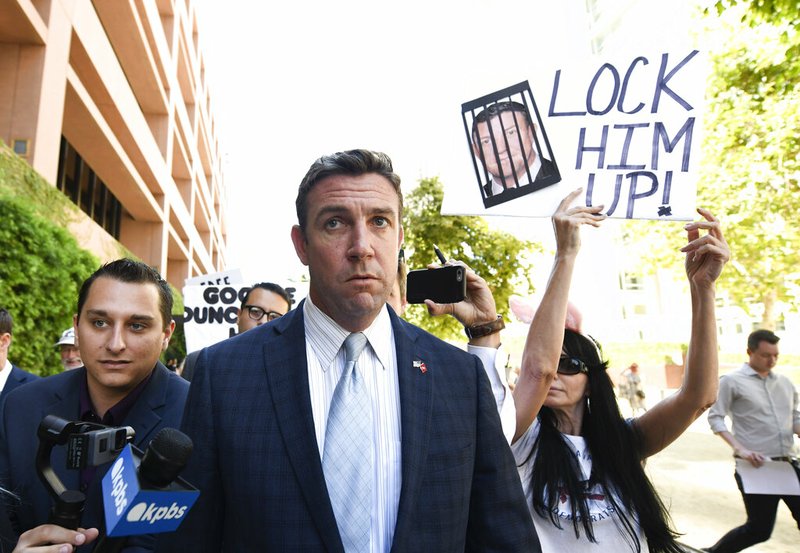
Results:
615 446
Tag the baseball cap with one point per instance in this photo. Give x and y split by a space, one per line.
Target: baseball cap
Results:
67 338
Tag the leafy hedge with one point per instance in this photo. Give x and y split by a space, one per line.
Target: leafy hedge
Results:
41 270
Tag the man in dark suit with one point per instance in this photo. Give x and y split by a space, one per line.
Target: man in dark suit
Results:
436 473
504 140
11 376
123 323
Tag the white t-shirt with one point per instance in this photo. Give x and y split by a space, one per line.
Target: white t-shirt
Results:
608 530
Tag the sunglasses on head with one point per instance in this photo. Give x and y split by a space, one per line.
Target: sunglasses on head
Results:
571 365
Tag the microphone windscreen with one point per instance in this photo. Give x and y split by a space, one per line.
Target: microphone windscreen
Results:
165 457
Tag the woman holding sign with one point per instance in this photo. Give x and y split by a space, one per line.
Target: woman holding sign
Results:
580 462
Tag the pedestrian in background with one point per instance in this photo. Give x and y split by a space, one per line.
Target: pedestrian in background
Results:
763 407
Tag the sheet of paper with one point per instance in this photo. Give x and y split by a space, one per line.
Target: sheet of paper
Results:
773 477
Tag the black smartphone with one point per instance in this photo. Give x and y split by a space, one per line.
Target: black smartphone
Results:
442 285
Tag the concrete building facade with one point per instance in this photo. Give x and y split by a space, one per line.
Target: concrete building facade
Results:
108 101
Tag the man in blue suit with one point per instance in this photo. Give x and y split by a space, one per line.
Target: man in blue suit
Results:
11 376
123 323
437 471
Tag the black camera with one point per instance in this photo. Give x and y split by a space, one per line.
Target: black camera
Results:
88 445
95 447
443 285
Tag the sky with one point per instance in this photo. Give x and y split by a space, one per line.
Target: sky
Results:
291 81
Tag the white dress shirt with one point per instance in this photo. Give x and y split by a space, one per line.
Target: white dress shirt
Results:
5 372
502 393
378 363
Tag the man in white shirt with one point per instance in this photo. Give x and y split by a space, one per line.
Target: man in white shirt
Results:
763 407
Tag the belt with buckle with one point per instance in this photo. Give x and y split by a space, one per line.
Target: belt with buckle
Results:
787 458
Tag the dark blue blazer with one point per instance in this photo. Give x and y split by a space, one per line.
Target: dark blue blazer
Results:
258 467
160 405
17 378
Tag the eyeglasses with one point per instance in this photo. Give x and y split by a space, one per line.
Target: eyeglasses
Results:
256 313
571 365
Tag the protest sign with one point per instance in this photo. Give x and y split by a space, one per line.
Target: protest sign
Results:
211 306
626 130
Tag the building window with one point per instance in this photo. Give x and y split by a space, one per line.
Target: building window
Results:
20 146
81 185
630 281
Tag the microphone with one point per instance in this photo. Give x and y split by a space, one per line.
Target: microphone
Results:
164 459
143 494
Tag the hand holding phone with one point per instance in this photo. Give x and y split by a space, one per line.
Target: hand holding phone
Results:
443 285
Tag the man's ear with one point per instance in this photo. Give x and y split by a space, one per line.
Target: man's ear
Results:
299 241
75 329
168 334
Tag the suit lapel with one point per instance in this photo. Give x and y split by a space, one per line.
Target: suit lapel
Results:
15 378
287 373
146 414
415 377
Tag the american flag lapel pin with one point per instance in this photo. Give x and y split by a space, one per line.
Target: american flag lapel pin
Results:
419 364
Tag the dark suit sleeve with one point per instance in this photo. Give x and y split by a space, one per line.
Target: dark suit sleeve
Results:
188 365
499 520
202 530
8 536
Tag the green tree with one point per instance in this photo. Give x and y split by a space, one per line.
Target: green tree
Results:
750 169
497 256
41 270
752 151
757 11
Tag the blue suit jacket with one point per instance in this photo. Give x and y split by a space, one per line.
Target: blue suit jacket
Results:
17 378
258 467
160 405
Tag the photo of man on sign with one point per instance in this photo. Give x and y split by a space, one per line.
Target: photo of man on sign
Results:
505 140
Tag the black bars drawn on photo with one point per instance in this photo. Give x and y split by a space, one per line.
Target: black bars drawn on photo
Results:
511 153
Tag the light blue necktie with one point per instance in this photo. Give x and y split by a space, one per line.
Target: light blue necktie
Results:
347 457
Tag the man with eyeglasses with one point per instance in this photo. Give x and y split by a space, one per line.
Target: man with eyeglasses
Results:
264 302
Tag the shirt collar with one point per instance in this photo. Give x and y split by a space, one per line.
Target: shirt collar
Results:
329 336
534 168
116 414
6 367
750 371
